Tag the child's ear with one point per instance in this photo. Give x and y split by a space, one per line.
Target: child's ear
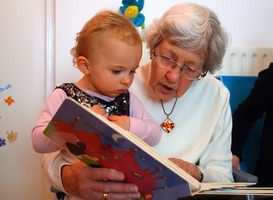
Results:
83 64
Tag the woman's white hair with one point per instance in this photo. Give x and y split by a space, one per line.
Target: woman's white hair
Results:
193 27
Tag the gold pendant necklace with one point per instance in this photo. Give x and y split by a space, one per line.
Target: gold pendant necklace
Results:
167 125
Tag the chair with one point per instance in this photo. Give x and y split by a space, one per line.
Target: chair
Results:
240 87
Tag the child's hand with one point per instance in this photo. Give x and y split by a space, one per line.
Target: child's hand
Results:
122 121
99 110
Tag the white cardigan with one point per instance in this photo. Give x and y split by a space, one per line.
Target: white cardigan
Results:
203 124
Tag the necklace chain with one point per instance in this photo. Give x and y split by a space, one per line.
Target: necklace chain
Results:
164 108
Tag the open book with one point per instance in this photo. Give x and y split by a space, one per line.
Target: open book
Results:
100 143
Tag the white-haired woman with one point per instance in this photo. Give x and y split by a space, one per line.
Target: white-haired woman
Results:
186 45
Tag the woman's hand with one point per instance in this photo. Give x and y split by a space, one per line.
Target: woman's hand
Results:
235 162
92 183
188 167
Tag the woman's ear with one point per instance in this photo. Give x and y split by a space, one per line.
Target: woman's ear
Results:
83 64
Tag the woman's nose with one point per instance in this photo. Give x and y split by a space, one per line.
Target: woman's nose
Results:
174 75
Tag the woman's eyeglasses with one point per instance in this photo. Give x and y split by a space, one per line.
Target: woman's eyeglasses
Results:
169 64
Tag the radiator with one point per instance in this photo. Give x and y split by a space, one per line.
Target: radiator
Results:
245 61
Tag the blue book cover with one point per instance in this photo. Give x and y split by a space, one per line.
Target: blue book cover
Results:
100 143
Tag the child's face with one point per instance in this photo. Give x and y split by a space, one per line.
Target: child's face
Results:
111 67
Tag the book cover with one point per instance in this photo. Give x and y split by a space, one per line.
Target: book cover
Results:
100 143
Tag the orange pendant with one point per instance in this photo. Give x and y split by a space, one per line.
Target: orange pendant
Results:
167 125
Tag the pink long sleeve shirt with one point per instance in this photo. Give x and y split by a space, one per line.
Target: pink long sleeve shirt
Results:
141 122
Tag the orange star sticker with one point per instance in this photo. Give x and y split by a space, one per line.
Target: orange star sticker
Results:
9 100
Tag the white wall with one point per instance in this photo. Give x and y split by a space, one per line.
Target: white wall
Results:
23 65
248 22
22 53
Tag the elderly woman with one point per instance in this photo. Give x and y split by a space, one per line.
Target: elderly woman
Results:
186 45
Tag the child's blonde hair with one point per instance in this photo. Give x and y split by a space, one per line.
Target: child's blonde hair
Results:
104 23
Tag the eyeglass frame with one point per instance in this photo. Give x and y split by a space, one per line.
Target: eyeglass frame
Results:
202 74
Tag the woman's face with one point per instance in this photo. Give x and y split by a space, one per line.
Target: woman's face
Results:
168 84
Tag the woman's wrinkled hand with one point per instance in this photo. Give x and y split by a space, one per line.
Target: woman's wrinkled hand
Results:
91 183
188 167
235 162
